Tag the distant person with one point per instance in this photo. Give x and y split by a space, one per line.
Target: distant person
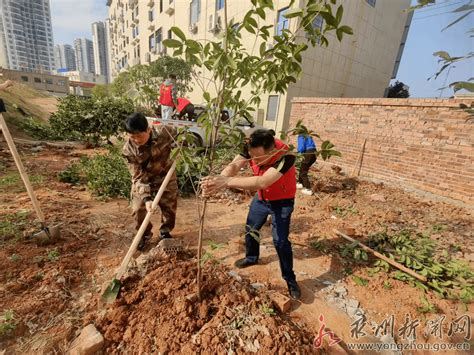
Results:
168 97
185 108
307 147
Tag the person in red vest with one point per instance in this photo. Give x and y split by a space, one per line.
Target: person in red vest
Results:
185 107
168 97
275 180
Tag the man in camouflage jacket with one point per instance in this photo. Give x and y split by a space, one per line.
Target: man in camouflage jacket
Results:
147 151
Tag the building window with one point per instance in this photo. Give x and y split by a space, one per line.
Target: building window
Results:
195 11
24 78
371 2
220 4
61 82
158 38
272 107
151 42
37 80
151 14
318 24
282 21
161 6
49 81
170 34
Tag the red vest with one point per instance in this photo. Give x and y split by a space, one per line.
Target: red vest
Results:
165 95
285 187
182 103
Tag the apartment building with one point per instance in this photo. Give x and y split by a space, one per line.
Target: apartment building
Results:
101 50
84 55
359 66
26 35
65 57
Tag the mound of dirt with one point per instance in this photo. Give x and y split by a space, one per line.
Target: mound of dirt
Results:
156 314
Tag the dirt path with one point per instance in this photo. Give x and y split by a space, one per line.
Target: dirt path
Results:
47 288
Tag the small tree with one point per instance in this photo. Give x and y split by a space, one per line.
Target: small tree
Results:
398 90
231 66
142 82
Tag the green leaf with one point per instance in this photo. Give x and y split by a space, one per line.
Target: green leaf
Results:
177 31
291 13
172 43
339 13
260 12
442 54
193 44
459 85
346 29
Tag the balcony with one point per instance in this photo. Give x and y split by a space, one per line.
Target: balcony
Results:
151 27
135 20
151 3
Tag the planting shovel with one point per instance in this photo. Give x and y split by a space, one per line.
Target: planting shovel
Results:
46 234
112 291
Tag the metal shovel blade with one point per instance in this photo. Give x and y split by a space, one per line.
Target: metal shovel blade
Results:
47 235
111 293
170 246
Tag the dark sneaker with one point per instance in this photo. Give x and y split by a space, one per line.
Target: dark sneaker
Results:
243 263
294 290
165 235
143 242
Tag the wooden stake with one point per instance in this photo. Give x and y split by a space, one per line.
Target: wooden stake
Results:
358 163
383 257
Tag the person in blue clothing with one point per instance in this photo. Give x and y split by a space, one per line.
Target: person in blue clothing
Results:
307 147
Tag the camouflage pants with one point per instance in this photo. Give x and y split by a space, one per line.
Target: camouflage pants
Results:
168 204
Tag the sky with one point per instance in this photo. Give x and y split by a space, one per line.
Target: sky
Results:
425 38
73 18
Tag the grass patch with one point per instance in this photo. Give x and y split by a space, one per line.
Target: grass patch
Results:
7 322
12 182
13 224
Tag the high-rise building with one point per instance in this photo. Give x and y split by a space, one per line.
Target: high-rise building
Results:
64 57
101 54
84 55
360 65
26 35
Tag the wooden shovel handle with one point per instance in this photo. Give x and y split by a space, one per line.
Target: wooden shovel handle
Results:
123 266
21 169
383 257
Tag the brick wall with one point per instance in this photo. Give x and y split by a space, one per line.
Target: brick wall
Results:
425 144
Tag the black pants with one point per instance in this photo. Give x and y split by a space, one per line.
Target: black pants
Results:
188 110
309 159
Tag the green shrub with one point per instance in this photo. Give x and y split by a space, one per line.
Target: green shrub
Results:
106 175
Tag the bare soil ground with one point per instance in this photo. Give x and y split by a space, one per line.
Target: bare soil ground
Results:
51 291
